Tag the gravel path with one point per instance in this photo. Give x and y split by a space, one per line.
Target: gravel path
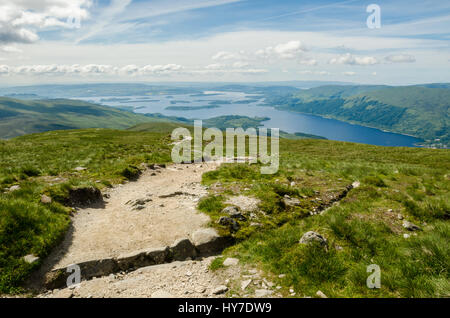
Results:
154 211
190 279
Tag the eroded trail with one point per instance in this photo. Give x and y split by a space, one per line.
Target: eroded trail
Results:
154 211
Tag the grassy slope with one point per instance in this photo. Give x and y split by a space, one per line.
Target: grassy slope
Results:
19 117
415 110
427 109
412 182
44 164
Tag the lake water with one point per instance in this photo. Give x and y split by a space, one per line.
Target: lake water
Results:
238 103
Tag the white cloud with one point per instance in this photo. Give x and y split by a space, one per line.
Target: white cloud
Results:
215 66
349 73
4 69
20 20
225 56
10 49
240 64
349 59
289 50
91 69
308 72
400 58
244 71
310 62
160 69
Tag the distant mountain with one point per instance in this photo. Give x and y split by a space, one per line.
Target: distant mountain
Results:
130 89
93 90
421 111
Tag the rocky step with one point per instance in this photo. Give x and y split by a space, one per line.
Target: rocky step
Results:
206 242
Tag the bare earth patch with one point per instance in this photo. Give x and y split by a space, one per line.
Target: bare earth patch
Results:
245 203
154 211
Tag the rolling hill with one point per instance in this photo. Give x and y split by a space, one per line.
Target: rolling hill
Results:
364 228
20 117
420 111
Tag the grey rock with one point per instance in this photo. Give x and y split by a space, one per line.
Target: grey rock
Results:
203 236
245 283
30 258
260 293
182 249
208 242
85 196
313 237
232 224
410 226
46 199
80 169
14 188
233 211
230 261
288 201
321 294
220 290
356 184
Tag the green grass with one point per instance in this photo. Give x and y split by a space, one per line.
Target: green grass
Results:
413 182
421 111
20 117
44 164
361 230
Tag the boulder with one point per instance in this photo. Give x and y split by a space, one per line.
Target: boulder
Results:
158 255
245 283
230 261
182 249
46 199
208 242
220 290
288 201
321 294
153 256
313 237
14 188
232 224
30 258
84 196
356 184
410 226
233 211
57 278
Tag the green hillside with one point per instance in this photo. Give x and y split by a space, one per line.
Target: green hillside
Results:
20 117
408 181
421 111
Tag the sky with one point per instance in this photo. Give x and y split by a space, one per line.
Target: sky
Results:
79 41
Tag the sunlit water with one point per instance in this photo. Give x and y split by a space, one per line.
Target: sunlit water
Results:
284 120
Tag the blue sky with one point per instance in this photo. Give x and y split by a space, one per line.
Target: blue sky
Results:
223 40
